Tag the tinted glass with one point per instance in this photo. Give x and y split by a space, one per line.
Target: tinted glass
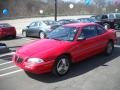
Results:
104 17
34 24
89 31
84 20
63 33
100 30
111 16
49 22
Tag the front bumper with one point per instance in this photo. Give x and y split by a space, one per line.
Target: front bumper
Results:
36 68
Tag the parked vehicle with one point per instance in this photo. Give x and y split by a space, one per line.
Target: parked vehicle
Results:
86 20
6 30
111 20
36 29
63 22
49 22
67 44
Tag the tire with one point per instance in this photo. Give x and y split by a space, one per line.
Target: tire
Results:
106 26
14 36
109 49
62 66
42 35
24 34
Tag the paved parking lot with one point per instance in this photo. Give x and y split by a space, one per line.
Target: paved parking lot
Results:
97 73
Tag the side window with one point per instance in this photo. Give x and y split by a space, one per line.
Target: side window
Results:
34 24
66 22
104 17
39 24
89 31
111 16
100 30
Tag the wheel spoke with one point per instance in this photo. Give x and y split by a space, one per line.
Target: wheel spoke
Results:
62 66
66 67
59 68
64 61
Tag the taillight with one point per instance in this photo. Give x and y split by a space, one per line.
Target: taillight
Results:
0 31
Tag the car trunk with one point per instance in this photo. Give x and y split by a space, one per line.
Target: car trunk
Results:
8 31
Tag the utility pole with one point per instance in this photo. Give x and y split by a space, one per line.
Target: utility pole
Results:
55 10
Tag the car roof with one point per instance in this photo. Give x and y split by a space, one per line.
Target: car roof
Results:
4 25
79 24
37 21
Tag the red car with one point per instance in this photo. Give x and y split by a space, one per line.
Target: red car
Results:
65 45
7 30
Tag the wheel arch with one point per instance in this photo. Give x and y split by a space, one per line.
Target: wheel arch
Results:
111 40
66 54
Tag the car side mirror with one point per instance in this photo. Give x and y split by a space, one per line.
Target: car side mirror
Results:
81 38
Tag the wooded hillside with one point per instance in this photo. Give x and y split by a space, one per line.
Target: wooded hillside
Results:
28 8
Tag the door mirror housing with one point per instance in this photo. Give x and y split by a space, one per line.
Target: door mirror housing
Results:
81 38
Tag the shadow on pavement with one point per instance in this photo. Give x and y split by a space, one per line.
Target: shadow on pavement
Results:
6 57
79 68
10 38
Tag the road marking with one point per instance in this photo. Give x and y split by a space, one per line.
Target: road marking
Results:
11 53
6 63
6 58
9 73
7 68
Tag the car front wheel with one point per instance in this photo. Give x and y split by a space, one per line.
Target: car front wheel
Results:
62 66
109 48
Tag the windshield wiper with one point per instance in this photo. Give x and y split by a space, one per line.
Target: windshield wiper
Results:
56 39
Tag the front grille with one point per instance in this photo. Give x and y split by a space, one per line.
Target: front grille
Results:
18 59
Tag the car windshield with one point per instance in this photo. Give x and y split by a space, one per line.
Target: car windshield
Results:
63 33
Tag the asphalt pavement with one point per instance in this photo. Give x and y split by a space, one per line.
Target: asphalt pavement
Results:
96 73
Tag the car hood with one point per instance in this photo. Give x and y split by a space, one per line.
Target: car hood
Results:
40 47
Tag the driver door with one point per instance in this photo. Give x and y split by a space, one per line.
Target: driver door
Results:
32 28
87 47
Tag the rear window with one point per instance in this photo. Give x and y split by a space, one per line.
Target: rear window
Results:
5 25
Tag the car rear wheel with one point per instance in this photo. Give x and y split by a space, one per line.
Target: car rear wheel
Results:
109 48
62 66
42 35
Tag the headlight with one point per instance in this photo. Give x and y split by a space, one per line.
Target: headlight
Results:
35 60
